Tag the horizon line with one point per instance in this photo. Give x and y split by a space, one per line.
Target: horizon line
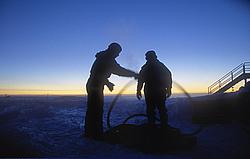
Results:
53 94
76 92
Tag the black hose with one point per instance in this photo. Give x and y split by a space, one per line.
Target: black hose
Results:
115 100
200 128
136 115
182 89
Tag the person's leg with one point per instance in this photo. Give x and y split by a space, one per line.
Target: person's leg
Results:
89 114
94 114
98 128
162 108
163 113
150 109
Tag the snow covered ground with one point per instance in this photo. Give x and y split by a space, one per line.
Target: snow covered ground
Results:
41 126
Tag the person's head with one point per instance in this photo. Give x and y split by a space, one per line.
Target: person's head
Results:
114 49
151 55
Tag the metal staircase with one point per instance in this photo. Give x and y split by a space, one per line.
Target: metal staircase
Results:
239 73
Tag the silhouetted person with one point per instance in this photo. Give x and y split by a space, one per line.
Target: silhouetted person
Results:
158 84
104 65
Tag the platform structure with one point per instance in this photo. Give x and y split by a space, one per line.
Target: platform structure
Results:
239 73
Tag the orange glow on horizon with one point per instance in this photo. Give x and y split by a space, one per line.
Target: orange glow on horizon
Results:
129 91
42 92
190 88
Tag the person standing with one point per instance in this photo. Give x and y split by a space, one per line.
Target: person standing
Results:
158 84
103 66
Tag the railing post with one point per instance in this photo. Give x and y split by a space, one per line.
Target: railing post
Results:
244 71
219 84
232 78
244 68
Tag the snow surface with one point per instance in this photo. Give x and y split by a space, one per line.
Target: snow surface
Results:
52 126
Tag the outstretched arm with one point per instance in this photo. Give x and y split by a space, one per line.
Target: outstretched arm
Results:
120 71
169 86
139 85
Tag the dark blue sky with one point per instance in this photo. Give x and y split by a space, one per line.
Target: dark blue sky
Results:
50 44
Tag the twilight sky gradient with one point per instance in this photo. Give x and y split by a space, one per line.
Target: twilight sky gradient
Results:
48 45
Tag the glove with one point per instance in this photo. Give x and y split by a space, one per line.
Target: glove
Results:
169 93
110 86
136 76
138 95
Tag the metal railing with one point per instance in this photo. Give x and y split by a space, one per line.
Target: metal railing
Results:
229 77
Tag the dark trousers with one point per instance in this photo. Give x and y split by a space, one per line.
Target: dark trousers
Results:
156 99
94 114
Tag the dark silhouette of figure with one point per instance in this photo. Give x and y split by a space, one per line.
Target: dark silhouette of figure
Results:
158 84
104 65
